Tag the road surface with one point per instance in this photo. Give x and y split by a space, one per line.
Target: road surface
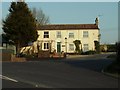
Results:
84 72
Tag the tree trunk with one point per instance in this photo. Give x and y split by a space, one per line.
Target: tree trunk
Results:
17 48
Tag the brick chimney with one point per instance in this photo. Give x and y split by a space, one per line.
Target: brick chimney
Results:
96 21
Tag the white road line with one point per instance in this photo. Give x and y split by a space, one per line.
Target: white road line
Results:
7 78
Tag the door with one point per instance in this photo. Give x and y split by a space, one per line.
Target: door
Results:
58 47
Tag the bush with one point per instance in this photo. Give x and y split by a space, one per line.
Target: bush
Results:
118 51
90 52
111 48
8 51
97 46
29 56
112 56
113 68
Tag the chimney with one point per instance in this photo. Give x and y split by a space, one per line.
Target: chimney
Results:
96 21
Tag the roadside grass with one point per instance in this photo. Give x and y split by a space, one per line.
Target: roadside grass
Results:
114 68
112 56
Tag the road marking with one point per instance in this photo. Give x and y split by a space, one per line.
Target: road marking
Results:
7 78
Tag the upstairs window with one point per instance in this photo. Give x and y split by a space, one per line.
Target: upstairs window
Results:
85 34
46 34
58 34
71 35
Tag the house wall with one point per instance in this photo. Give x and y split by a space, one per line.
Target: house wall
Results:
78 35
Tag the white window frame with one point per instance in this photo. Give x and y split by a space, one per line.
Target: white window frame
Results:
86 47
58 34
71 47
46 35
85 34
46 46
71 35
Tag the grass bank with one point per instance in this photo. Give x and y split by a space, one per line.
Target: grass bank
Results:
114 68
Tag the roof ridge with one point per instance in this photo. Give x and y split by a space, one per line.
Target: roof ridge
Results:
67 26
70 24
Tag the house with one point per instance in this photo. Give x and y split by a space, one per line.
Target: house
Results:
60 37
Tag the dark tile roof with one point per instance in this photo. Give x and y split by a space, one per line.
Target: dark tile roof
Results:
67 26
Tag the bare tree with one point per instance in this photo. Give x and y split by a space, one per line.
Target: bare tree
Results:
40 16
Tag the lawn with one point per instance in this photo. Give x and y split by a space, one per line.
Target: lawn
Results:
114 68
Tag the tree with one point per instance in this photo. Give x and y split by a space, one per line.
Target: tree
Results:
118 51
97 46
77 44
40 16
20 25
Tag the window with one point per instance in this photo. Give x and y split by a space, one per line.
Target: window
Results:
71 35
46 45
58 34
71 47
86 48
85 34
46 34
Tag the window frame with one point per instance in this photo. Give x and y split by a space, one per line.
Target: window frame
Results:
71 48
71 34
86 47
58 34
46 45
85 34
46 34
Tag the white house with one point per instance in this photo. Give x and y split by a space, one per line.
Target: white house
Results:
60 37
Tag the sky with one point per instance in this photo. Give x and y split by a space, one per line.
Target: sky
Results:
79 13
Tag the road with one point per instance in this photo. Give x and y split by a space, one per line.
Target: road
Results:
82 72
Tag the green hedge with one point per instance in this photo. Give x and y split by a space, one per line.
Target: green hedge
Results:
111 48
90 52
8 51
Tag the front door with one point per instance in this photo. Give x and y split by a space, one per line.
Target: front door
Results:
58 47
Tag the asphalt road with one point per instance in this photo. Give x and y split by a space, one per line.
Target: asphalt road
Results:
82 72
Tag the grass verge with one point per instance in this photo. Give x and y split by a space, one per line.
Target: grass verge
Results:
114 68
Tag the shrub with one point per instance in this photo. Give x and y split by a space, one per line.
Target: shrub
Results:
77 44
118 51
111 48
90 52
97 46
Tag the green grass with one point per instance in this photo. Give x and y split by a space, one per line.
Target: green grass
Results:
114 68
116 75
112 56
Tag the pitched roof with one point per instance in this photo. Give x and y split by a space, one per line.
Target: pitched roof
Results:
67 26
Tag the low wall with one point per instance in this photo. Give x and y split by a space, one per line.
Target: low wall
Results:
6 54
43 54
6 57
17 59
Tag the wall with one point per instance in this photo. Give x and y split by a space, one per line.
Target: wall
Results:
6 54
78 35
